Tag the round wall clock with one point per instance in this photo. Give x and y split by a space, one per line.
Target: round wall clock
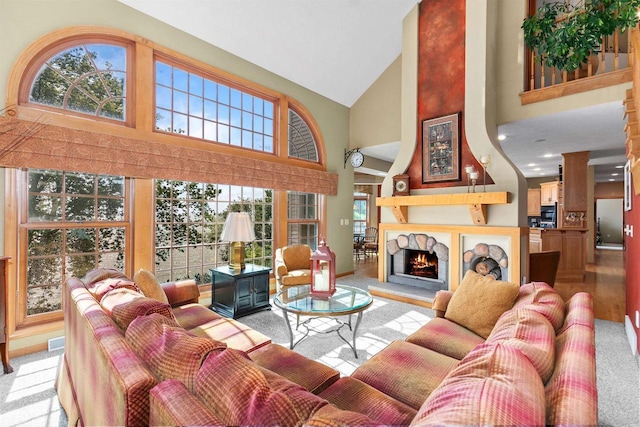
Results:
357 159
401 185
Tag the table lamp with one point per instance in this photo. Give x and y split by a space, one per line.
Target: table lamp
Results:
237 230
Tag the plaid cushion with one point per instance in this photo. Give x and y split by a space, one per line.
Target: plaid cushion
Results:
233 333
493 385
125 305
401 381
311 375
571 393
330 416
167 403
98 274
544 299
238 393
169 350
353 395
446 337
99 289
532 334
190 316
579 310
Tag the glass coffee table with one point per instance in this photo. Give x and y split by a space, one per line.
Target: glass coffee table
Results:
346 301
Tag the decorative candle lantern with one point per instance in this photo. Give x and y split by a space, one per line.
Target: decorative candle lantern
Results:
323 271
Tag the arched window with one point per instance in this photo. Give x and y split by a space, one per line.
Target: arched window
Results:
87 78
302 144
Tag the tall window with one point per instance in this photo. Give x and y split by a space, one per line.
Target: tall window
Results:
189 220
303 222
87 78
190 104
360 212
73 223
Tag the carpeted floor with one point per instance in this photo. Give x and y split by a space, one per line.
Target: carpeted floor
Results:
27 397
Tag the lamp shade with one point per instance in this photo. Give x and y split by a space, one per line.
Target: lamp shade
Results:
238 228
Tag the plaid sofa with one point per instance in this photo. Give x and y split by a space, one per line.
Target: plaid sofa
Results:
163 367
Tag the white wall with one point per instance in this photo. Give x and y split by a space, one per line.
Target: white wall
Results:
611 219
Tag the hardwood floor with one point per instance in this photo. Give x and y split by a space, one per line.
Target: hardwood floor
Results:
604 280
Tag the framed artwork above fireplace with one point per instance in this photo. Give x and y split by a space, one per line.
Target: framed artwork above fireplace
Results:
441 149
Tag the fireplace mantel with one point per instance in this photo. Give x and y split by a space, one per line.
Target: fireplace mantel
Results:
477 203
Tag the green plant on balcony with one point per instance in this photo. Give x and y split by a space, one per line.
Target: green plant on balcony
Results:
564 35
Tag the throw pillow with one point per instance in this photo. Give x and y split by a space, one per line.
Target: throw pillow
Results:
100 289
101 273
237 391
479 302
169 350
124 305
150 285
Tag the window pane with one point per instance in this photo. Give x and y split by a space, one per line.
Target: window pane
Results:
195 220
80 248
89 79
302 144
230 115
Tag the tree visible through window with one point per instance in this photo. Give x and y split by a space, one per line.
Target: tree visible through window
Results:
189 221
75 222
87 78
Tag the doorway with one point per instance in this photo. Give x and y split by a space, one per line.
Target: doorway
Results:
609 224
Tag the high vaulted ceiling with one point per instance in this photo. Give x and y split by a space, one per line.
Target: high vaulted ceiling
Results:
338 48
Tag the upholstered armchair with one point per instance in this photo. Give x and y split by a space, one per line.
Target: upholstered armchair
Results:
292 265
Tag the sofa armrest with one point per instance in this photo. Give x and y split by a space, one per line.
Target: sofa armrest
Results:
171 404
181 292
440 302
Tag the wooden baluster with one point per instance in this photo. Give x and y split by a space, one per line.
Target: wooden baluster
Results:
603 61
616 49
542 67
553 76
532 72
564 76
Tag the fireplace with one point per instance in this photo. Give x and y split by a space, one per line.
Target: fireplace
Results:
421 264
418 260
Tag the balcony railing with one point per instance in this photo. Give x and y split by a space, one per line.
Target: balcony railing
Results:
609 66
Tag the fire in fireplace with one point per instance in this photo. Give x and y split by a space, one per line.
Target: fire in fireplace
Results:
421 264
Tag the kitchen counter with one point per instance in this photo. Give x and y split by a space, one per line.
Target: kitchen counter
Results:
572 244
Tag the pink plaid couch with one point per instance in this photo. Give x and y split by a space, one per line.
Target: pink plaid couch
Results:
142 364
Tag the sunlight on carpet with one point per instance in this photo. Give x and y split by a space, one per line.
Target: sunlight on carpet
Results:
28 396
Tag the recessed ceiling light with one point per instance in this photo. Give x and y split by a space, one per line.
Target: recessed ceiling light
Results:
536 169
531 164
611 179
548 155
620 167
542 173
615 174
502 137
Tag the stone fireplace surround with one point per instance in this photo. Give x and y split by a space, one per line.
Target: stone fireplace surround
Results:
464 245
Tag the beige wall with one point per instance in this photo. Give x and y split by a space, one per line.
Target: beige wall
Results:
375 116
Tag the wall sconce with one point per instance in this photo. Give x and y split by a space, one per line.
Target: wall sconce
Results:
237 230
485 159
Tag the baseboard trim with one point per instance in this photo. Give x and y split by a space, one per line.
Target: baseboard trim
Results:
631 335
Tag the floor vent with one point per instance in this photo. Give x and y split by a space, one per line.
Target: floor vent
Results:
56 343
